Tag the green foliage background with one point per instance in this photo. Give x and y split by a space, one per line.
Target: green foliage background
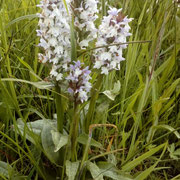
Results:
145 109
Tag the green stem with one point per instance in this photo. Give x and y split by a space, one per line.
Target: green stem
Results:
74 132
103 8
59 110
85 155
94 96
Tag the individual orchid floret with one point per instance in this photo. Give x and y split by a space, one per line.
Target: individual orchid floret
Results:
54 33
79 84
86 15
114 29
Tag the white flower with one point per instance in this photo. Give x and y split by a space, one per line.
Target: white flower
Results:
54 33
113 64
59 77
48 22
113 48
105 56
53 42
88 86
87 13
112 32
114 11
104 70
54 72
114 29
83 95
98 64
84 43
59 49
77 72
43 44
55 60
54 30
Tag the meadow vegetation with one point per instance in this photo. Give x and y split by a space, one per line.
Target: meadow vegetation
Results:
130 126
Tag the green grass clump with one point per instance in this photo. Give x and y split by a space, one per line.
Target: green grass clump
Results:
135 131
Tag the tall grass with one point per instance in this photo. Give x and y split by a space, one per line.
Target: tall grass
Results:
145 109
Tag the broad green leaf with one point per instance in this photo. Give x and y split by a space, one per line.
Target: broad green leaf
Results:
171 148
31 130
117 87
34 110
174 153
5 169
47 142
71 169
112 159
115 175
177 152
130 165
59 140
102 112
109 170
95 171
83 139
39 84
111 94
43 85
35 126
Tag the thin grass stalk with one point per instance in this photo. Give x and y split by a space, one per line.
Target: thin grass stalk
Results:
16 130
85 154
149 143
89 118
155 114
7 59
147 172
131 57
138 118
6 93
59 110
129 65
27 154
140 150
94 95
175 53
151 76
147 85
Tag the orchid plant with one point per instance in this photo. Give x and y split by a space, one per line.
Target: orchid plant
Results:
67 29
83 98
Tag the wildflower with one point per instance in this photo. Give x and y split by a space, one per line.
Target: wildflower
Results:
79 84
84 21
54 33
113 29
